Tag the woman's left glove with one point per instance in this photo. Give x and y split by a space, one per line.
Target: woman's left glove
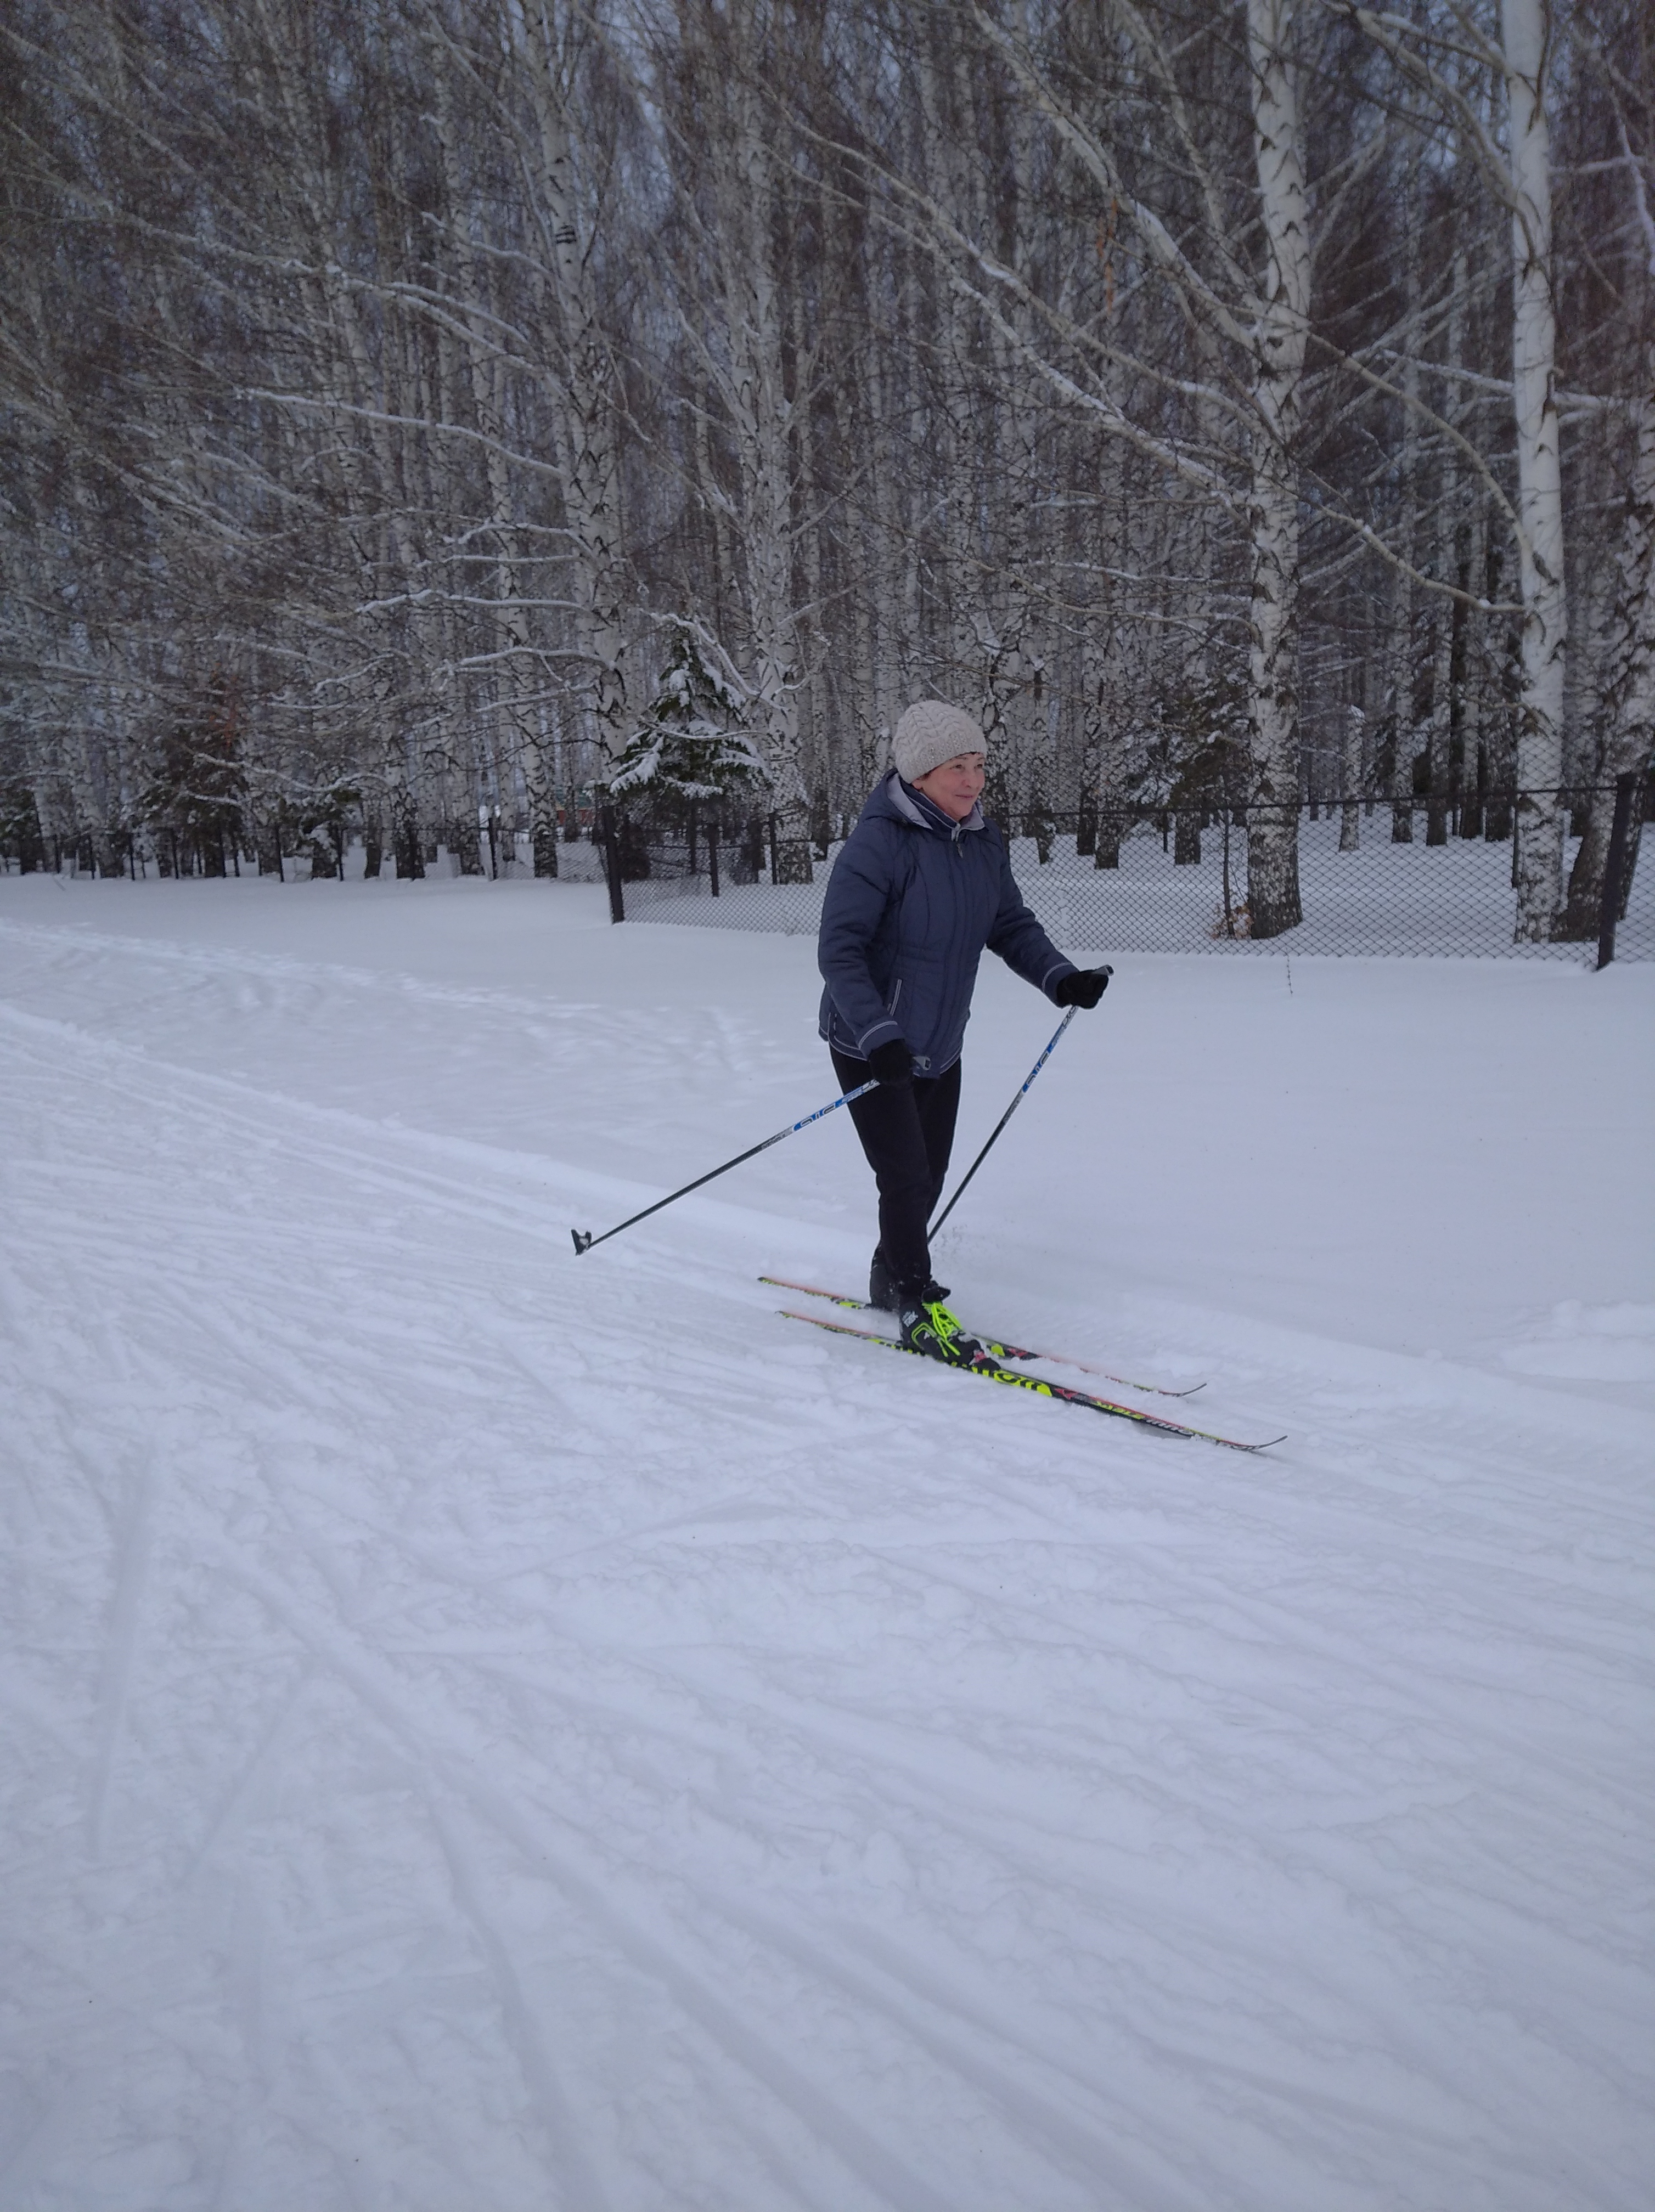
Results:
891 1061
1083 988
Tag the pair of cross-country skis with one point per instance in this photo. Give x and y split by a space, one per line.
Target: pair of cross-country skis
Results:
999 1363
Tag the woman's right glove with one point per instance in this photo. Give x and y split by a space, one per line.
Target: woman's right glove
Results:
891 1061
1083 988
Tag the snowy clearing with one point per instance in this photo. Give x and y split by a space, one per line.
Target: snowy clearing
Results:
487 1730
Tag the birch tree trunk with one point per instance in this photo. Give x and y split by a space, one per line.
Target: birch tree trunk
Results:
1468 794
1273 508
502 626
583 396
1446 623
1399 636
1350 779
1526 28
540 785
1627 707
760 413
1105 688
1015 676
1090 659
1399 687
728 175
815 747
950 128
887 609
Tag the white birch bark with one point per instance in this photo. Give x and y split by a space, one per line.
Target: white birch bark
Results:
1399 635
1626 703
722 583
888 605
1473 679
808 540
1440 730
1350 779
1014 677
948 129
872 736
540 787
503 628
1273 509
759 415
988 468
1449 517
902 438
744 363
343 372
583 397
1526 29
1106 685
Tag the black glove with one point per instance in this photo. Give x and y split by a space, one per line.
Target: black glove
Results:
891 1061
1083 988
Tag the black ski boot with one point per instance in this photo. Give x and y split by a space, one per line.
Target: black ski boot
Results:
928 1326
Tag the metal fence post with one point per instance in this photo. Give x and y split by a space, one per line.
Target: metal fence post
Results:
612 862
712 851
1615 867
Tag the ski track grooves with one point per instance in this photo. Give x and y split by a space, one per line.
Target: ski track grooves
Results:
453 1751
594 1886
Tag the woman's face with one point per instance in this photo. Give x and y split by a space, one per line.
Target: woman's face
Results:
956 786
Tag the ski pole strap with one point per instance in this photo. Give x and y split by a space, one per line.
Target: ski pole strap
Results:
584 1240
959 1193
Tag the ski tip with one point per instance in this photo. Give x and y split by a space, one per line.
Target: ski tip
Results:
582 1241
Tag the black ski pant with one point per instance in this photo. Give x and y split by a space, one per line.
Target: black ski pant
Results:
907 1131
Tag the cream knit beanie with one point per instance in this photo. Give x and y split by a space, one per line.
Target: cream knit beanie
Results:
930 734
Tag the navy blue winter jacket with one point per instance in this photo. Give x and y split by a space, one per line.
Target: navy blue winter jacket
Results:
912 901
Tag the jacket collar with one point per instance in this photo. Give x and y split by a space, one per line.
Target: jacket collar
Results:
915 808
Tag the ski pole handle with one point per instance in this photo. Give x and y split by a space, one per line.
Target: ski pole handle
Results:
584 1240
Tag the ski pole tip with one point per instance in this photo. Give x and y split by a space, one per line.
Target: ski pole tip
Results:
582 1241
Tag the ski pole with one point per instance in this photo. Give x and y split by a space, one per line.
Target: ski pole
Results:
1002 1122
584 1240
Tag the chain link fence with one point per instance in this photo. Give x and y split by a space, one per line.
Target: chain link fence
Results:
1375 877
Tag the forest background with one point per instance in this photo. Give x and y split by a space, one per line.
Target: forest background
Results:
420 419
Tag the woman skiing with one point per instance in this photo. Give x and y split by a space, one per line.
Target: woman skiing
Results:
922 884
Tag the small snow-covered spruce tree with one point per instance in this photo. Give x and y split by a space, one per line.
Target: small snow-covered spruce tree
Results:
692 742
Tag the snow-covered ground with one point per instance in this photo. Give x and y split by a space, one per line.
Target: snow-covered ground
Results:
484 1729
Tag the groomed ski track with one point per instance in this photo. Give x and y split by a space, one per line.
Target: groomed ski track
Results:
483 1728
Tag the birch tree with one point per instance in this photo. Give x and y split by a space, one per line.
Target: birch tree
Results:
729 180
1623 738
1528 31
1273 509
1627 700
549 38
